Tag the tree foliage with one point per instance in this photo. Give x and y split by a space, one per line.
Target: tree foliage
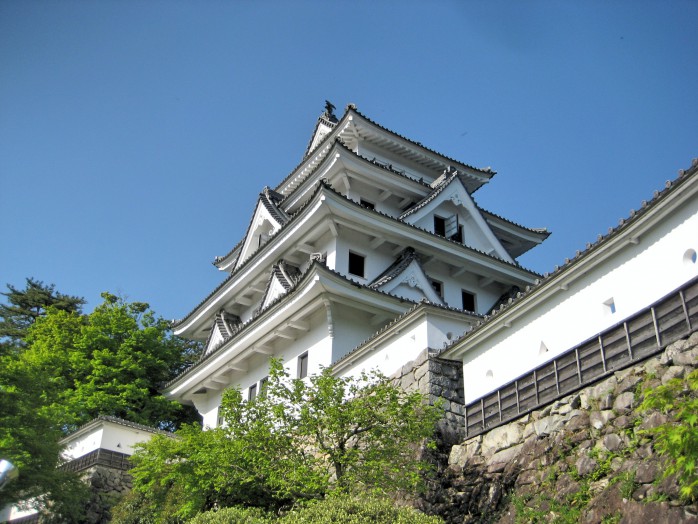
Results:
73 368
341 509
298 440
677 439
24 306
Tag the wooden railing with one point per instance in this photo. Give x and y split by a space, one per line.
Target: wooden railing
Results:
637 338
102 457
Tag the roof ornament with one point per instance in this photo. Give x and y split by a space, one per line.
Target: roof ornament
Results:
329 111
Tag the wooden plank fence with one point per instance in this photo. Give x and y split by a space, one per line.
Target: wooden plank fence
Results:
638 337
101 457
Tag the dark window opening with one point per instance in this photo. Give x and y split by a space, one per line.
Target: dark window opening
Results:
367 204
263 386
438 287
303 366
440 226
468 301
252 392
356 264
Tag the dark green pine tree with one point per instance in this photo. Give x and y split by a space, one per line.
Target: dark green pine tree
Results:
24 306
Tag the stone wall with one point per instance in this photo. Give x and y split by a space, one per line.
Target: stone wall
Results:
439 379
583 458
107 485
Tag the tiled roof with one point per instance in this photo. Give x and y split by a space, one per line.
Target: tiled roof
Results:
290 293
324 186
285 274
487 171
121 422
405 259
543 231
670 187
440 184
244 264
243 327
270 200
352 108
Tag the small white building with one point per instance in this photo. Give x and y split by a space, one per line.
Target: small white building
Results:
372 237
105 441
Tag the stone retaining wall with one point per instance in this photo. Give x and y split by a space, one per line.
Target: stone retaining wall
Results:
439 379
107 486
583 457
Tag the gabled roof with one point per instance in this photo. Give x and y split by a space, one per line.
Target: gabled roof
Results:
613 239
462 199
267 207
282 277
224 324
517 239
410 268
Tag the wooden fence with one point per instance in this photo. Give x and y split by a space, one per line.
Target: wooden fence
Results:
637 338
101 457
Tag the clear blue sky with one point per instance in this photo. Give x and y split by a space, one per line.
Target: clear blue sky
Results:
135 136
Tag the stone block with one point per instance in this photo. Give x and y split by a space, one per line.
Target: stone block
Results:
547 425
652 366
599 419
606 401
673 372
687 358
501 438
624 401
612 442
629 383
603 388
585 465
506 455
461 454
646 472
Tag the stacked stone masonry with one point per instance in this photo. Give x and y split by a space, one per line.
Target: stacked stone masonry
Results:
582 458
441 380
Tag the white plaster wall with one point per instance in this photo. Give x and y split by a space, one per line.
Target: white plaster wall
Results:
84 444
106 435
389 356
122 439
406 344
636 277
376 261
207 405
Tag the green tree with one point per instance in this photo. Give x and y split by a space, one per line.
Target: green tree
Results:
296 441
74 368
24 306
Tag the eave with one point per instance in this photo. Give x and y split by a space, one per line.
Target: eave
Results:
353 125
327 204
289 312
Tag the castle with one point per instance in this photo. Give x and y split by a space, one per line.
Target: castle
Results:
370 251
